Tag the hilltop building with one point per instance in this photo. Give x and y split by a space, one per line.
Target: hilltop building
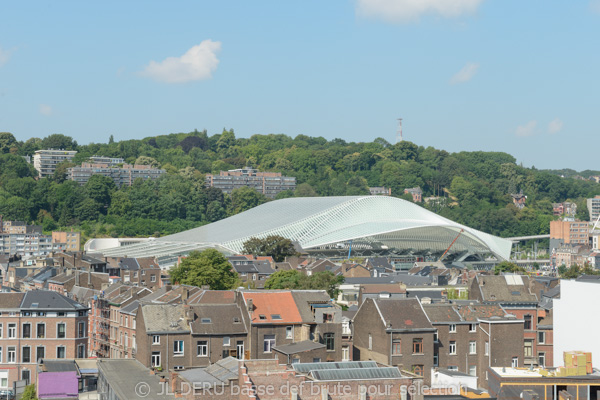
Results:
45 161
267 183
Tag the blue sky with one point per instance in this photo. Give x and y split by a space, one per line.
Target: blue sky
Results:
495 75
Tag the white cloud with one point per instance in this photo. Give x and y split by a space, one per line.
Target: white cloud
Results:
595 6
197 63
555 126
526 130
46 110
410 10
4 56
465 74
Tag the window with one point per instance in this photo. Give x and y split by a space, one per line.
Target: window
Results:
417 370
155 359
1 330
436 337
472 347
261 316
81 329
41 331
473 370
515 362
329 341
3 382
26 354
25 375
345 353
61 330
316 360
542 359
452 328
417 346
397 346
60 314
40 352
487 348
452 368
289 332
202 348
153 278
528 349
26 331
436 360
542 337
205 321
0 356
269 343
11 355
12 331
452 347
178 348
370 342
527 325
472 327
155 339
60 352
226 341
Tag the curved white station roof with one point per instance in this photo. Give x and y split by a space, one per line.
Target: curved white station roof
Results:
368 222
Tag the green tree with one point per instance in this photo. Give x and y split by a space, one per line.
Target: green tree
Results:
305 190
144 160
275 246
245 198
7 141
285 279
29 393
208 267
506 266
60 173
59 142
100 188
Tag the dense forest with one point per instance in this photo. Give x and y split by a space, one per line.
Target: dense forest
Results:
473 188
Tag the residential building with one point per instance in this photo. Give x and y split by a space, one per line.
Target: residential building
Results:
72 240
110 161
513 293
509 383
593 206
566 208
140 271
397 333
36 325
519 199
45 161
124 175
267 183
251 270
380 191
416 193
117 380
18 227
568 233
277 318
29 244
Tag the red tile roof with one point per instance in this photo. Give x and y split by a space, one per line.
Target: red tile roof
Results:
269 304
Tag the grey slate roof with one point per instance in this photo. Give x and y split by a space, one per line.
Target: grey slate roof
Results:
420 294
298 347
305 368
408 280
356 373
43 299
218 373
59 366
403 314
221 319
124 376
506 288
164 318
304 298
439 313
131 308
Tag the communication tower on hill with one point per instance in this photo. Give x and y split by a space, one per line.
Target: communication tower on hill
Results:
399 132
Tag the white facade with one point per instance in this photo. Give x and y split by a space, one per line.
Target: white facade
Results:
45 161
575 324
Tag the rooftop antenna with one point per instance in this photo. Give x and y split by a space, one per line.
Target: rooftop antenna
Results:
399 132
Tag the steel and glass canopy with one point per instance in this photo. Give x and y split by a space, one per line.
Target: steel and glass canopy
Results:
326 225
